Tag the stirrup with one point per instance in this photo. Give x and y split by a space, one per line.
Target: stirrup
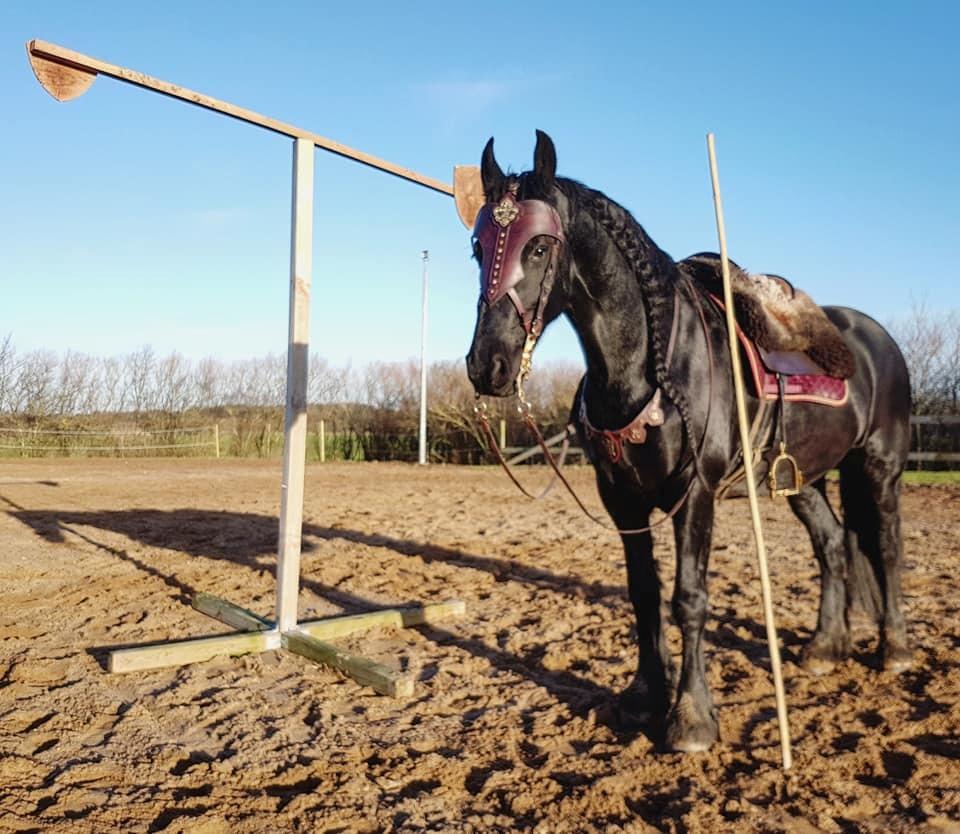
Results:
776 491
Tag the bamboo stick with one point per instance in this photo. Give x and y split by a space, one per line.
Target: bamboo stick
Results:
772 641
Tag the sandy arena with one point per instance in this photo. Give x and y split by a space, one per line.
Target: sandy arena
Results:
512 726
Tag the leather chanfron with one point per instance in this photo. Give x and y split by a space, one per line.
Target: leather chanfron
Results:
503 230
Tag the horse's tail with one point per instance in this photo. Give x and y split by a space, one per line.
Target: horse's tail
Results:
860 523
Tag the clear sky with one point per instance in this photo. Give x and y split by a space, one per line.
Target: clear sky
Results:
130 219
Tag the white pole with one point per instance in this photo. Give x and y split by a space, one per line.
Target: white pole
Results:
295 422
745 445
423 365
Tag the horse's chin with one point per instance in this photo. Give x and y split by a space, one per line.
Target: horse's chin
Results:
508 389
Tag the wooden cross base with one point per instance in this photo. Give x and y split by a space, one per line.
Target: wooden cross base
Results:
259 634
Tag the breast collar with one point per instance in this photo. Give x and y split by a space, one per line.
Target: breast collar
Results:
635 432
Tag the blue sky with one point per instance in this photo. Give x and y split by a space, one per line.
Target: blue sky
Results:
132 219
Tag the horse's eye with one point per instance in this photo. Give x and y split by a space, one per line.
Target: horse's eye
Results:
478 251
540 251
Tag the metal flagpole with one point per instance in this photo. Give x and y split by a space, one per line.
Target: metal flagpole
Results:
423 365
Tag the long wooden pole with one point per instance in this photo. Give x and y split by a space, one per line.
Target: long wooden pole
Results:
745 445
66 74
295 422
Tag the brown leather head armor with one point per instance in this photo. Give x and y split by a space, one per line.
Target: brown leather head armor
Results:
503 230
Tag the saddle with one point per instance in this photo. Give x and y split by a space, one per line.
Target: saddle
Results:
793 351
792 334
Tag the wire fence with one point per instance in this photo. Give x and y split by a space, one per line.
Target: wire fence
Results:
18 441
935 443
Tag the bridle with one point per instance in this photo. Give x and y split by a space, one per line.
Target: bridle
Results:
503 230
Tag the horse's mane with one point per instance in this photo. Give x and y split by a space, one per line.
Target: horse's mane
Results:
654 270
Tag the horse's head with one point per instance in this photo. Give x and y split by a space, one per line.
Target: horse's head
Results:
519 242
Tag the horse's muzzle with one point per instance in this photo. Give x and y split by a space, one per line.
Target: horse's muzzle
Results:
494 377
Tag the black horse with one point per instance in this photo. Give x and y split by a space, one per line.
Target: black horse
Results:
553 246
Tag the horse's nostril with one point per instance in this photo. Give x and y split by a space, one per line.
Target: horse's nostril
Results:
498 371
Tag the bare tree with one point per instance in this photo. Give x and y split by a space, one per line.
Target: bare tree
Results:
138 374
929 342
112 394
208 383
9 371
172 384
36 383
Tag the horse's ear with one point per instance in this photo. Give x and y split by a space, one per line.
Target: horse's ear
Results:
490 172
545 159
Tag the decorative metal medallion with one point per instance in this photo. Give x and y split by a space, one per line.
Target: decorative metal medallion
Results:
506 212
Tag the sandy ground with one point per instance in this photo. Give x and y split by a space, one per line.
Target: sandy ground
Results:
512 726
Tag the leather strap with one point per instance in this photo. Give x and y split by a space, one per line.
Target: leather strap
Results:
495 447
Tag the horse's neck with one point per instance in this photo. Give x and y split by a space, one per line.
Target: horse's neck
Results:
608 312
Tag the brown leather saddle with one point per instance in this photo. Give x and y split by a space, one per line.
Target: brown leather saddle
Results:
793 351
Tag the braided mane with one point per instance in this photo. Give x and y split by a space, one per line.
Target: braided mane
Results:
653 269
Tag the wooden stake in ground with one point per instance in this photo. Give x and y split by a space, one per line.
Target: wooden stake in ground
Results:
772 643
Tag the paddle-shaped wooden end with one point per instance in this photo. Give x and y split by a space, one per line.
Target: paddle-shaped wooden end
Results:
62 80
468 193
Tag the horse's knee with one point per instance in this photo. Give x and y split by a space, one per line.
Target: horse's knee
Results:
689 607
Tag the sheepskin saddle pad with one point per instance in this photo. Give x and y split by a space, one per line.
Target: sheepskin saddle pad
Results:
793 333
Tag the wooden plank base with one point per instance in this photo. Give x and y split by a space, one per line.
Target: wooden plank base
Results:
384 680
164 655
260 634
333 627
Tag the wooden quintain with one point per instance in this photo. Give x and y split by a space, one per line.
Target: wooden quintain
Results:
66 75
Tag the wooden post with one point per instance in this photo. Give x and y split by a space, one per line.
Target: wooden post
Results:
323 442
216 438
503 433
295 423
747 448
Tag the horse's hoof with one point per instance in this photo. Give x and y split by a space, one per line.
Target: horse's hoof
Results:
820 657
637 710
817 665
691 728
897 659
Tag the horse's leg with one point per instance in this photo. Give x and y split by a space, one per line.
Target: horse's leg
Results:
831 641
884 478
647 697
692 723
870 491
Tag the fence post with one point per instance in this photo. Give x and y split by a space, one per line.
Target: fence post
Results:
323 442
503 433
216 438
